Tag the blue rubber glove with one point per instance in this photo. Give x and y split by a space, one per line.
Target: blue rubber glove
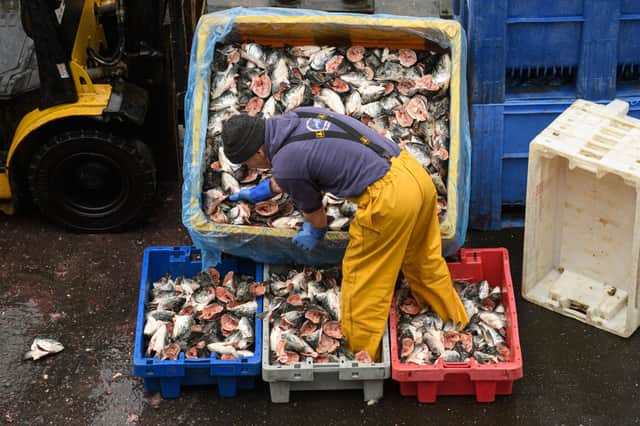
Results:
260 192
309 237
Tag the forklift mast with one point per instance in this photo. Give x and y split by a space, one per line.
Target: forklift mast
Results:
83 137
40 22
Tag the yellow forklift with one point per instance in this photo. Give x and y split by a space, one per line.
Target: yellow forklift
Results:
75 79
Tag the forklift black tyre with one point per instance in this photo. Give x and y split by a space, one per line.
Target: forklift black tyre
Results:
93 181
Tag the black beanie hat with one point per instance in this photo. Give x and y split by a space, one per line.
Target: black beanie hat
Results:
242 135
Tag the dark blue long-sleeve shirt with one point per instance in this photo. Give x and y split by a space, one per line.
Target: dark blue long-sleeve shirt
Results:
307 169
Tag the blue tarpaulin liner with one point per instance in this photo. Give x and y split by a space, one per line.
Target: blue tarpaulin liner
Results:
276 26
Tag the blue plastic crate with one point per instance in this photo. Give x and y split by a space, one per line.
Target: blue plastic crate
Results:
572 48
500 136
169 377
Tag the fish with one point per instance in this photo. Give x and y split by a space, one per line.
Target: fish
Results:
316 314
171 352
280 74
353 104
404 119
417 108
181 326
239 214
254 106
333 211
371 93
222 348
266 208
157 342
439 184
339 86
247 309
203 296
229 184
313 339
373 109
419 356
306 51
228 100
332 329
332 100
209 312
275 337
331 302
452 356
420 152
492 319
483 290
390 104
363 357
442 76
355 53
163 316
261 86
269 108
151 325
407 57
231 53
391 71
438 109
272 58
254 53
173 303
409 306
427 84
327 344
224 81
217 120
356 79
321 57
246 328
348 208
42 347
483 338
484 358
297 344
332 66
407 87
294 97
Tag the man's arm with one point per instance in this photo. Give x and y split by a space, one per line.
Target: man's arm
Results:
261 192
317 219
274 186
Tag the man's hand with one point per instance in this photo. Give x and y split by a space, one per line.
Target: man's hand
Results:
260 192
309 237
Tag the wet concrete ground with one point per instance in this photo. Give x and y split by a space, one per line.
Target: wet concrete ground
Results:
82 290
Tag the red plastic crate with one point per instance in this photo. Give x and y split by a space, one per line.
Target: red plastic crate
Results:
486 381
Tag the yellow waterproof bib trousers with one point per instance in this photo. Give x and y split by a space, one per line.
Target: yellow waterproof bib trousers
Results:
395 228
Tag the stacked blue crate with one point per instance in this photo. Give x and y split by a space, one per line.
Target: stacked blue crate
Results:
528 61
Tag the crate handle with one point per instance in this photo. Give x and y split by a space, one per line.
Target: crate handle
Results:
456 364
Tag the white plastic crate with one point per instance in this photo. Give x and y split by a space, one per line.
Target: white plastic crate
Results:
582 226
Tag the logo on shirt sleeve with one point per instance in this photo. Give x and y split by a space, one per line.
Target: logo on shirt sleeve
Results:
317 125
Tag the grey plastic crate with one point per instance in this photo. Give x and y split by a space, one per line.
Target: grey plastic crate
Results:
306 375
